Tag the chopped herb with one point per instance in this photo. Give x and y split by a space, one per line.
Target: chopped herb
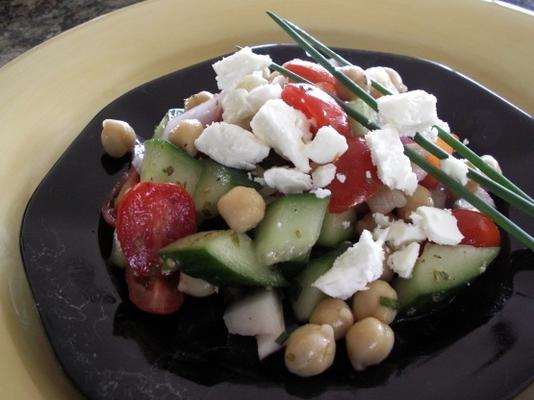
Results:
298 234
437 256
389 302
440 276
280 340
169 170
235 238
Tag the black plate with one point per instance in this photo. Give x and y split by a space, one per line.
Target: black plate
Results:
479 347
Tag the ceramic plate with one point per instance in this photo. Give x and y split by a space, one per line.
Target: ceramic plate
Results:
49 94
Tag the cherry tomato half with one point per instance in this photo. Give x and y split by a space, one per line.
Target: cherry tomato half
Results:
150 216
156 294
478 229
311 71
318 106
361 180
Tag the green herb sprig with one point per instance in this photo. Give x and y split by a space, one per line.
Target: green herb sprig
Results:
490 179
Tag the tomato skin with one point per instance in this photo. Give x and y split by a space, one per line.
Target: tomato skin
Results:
357 187
318 106
150 216
478 229
310 71
156 294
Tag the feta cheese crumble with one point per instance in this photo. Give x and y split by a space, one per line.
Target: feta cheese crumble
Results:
403 261
282 127
321 193
401 233
323 175
239 105
393 166
287 180
341 178
232 69
327 146
232 146
354 269
410 112
456 169
439 225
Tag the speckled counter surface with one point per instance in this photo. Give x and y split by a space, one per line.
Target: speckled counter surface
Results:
26 23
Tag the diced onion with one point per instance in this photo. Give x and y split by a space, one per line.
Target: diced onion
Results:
386 200
207 112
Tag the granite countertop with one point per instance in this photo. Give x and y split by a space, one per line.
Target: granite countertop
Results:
26 23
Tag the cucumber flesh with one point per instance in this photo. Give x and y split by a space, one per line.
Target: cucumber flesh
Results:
439 271
304 296
291 227
164 162
223 258
337 228
170 114
116 257
214 182
364 109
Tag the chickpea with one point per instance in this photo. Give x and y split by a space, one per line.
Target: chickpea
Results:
333 312
358 76
369 342
492 162
387 77
421 197
367 302
195 287
310 350
185 133
242 208
117 137
197 99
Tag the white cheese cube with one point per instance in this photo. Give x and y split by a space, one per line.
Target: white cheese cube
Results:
321 193
354 269
232 69
282 127
327 146
402 261
408 112
235 106
252 81
439 225
393 166
401 233
231 146
287 180
456 169
323 175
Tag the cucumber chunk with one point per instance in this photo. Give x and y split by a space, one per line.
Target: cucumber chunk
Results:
291 227
164 162
364 109
337 228
223 258
215 181
439 271
116 257
304 297
170 114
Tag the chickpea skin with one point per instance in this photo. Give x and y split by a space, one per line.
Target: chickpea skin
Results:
242 208
333 312
421 197
117 137
185 133
367 302
369 342
195 287
310 350
197 99
358 76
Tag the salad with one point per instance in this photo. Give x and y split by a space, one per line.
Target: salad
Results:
320 228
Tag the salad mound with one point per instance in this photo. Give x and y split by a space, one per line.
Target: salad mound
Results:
269 186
